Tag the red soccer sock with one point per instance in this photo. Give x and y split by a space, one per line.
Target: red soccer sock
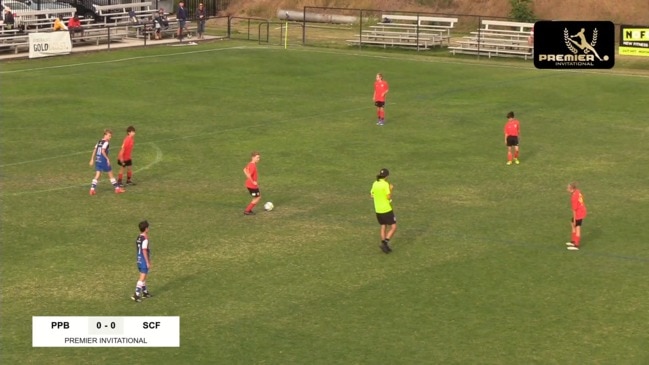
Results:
577 239
516 154
572 237
119 177
250 206
129 175
382 114
509 156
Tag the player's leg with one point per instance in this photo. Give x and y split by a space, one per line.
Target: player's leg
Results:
384 244
256 196
572 234
578 232
95 181
129 173
118 189
516 155
145 291
509 154
137 296
120 174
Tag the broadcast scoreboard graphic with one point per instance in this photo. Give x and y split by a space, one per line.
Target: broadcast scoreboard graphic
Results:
634 40
105 331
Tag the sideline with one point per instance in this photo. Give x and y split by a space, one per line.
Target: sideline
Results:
502 64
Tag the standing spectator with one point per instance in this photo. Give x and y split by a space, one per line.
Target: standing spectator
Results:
143 255
252 183
181 15
201 16
382 194
380 89
578 215
512 132
99 158
74 25
8 18
124 157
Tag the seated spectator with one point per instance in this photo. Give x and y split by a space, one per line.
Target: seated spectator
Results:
132 17
74 25
160 21
59 25
8 18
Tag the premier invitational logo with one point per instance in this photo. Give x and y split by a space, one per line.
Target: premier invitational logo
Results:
574 44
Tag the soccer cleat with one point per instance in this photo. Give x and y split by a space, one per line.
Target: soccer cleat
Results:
119 191
136 298
570 244
385 247
509 162
573 248
146 294
93 192
516 161
245 212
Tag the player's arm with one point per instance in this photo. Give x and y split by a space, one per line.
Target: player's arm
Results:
92 157
248 175
103 153
145 253
120 154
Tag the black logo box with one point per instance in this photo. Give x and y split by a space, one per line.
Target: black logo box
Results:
574 44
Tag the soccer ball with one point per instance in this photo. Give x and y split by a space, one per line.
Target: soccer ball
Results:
268 206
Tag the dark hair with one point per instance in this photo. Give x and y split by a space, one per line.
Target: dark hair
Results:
130 129
143 225
510 115
382 174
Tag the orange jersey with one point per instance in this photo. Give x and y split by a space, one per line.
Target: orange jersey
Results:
512 128
252 170
578 206
380 88
127 147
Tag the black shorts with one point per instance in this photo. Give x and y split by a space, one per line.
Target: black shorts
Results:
512 141
379 104
125 163
386 218
578 222
254 192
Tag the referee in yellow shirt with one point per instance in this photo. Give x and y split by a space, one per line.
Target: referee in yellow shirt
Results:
382 194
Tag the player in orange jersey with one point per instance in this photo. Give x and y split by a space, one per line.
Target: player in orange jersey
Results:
512 133
124 157
578 215
252 184
380 90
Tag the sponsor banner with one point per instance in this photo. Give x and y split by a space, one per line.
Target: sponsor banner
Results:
49 44
574 44
634 40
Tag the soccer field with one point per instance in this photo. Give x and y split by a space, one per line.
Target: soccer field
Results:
479 273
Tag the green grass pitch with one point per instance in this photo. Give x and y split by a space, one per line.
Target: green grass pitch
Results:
479 272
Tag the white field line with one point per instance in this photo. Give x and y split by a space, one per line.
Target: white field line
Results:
158 158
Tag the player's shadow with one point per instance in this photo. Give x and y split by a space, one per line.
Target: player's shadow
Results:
177 283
